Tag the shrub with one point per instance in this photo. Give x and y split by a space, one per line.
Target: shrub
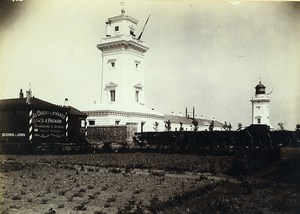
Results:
80 207
132 207
44 201
14 207
157 172
61 206
111 199
90 187
62 192
115 170
137 191
50 211
82 190
93 196
78 194
16 197
99 212
155 204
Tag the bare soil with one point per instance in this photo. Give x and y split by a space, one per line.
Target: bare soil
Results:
145 183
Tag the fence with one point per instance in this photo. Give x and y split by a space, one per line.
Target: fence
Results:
217 142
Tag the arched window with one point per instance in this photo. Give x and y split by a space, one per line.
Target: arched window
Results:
112 95
137 90
111 89
137 96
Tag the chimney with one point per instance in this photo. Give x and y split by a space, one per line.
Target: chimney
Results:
21 95
66 101
186 113
193 112
108 28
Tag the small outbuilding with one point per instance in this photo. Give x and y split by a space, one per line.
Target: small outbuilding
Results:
29 125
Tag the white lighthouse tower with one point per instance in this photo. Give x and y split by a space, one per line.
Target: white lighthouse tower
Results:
122 64
260 106
122 87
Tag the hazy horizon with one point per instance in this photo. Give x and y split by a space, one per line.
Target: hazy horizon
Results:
207 55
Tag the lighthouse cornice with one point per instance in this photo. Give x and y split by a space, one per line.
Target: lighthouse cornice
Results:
123 17
260 99
122 42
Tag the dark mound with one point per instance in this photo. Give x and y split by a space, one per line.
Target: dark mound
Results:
287 172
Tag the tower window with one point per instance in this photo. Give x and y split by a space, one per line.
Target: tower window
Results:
116 28
117 122
112 95
136 63
258 120
132 33
137 89
137 96
110 89
112 63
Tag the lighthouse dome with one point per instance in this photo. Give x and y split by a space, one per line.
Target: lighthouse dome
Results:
260 88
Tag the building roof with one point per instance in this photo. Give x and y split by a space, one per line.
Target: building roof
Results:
136 109
178 119
260 85
17 103
75 111
260 88
206 122
188 121
35 103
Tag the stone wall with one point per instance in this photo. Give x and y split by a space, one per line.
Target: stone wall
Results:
107 134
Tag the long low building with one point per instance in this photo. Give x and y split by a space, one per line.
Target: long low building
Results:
143 122
183 123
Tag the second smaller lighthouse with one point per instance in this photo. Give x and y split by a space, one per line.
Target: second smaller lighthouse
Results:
260 106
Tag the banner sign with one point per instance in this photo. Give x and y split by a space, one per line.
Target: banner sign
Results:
47 124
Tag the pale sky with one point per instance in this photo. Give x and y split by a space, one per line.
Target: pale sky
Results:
209 55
